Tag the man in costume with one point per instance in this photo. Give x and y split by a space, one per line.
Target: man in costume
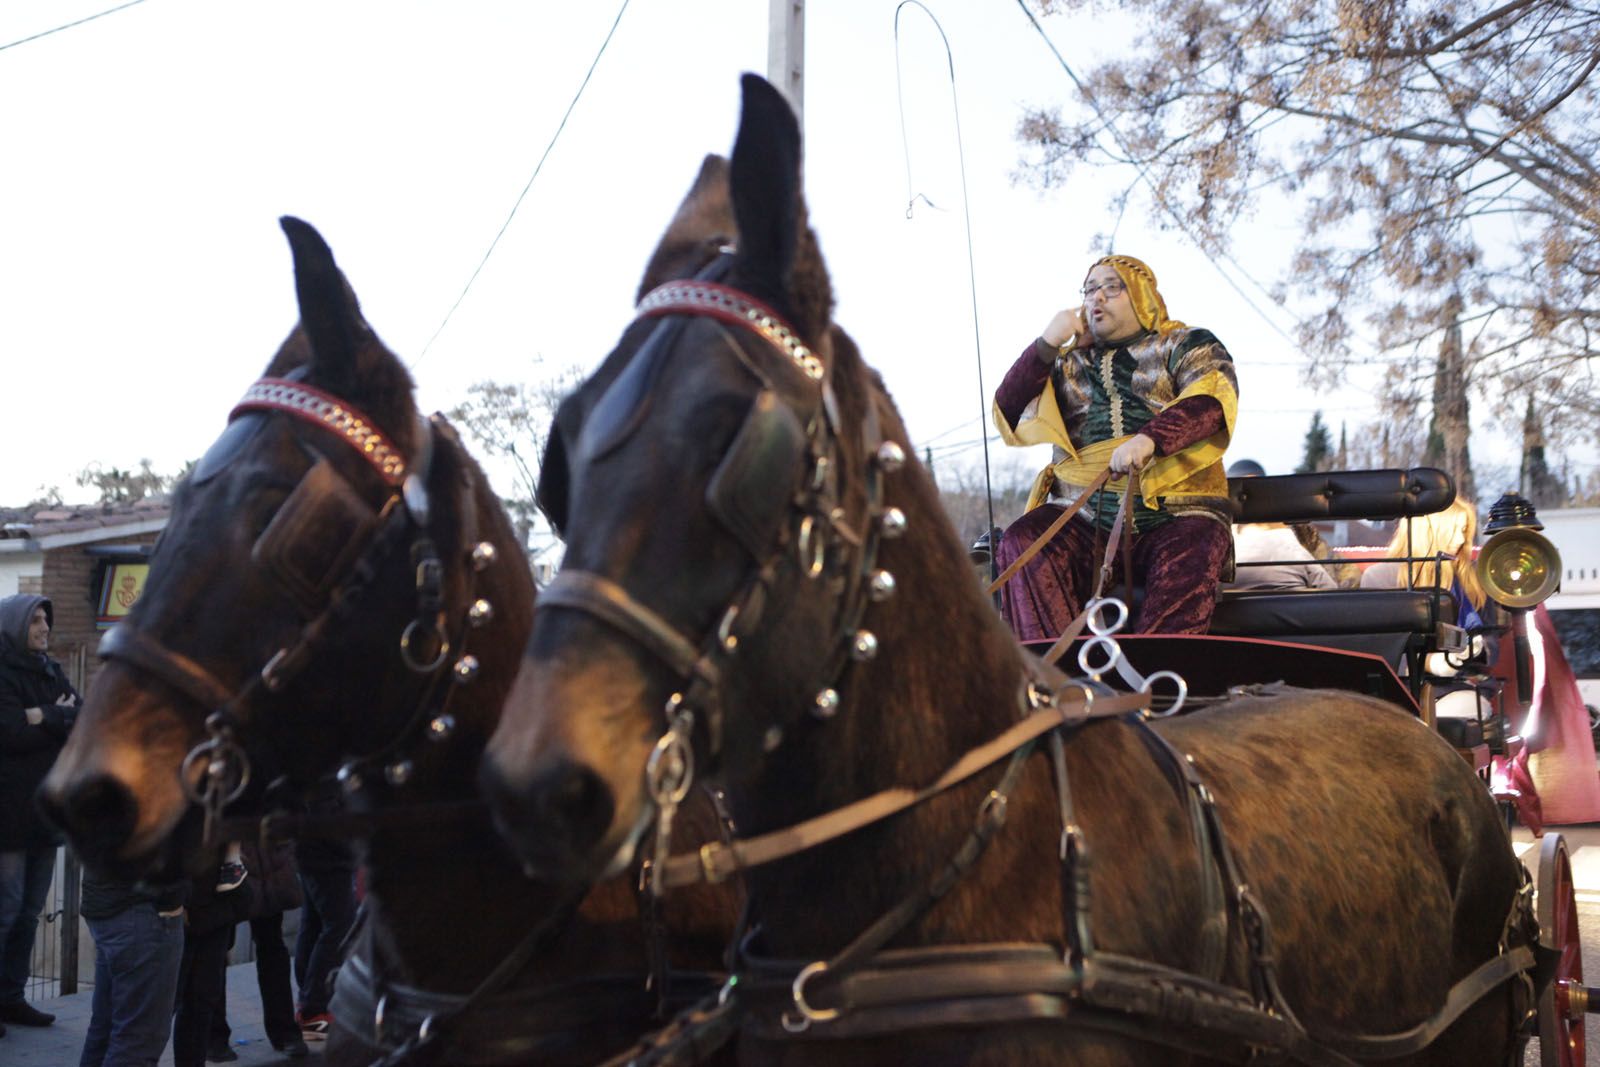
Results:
1116 383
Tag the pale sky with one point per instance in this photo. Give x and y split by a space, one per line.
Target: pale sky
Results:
144 282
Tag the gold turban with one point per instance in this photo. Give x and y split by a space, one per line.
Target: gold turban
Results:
1148 307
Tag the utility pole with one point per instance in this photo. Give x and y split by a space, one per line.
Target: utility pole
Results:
786 51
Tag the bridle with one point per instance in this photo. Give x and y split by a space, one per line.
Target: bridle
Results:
217 770
497 1021
777 490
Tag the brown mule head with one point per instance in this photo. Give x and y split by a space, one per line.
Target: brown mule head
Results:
673 472
259 535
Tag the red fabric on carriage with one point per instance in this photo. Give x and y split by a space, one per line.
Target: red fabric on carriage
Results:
1558 765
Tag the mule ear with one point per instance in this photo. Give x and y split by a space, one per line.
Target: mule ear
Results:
329 314
703 225
765 180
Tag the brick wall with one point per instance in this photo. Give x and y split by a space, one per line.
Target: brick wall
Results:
67 576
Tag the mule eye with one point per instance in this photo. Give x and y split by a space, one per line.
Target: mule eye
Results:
746 492
718 427
264 507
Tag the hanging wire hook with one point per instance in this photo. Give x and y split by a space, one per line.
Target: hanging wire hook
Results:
966 218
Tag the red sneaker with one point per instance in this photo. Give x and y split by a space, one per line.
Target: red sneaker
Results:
315 1027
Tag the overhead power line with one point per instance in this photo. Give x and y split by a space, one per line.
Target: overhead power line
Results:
520 196
1133 161
69 25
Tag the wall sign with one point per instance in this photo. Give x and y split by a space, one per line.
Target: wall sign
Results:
119 589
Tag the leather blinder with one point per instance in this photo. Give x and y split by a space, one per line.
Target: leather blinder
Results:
312 540
750 491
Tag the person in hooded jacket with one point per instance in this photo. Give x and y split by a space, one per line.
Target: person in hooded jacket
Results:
37 709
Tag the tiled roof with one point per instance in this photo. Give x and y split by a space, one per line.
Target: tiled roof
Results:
65 519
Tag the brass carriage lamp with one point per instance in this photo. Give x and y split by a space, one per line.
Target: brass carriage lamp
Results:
1520 568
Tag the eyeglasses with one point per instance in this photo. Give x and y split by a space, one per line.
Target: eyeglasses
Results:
1112 290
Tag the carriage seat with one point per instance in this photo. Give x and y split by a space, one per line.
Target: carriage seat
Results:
1401 625
1460 732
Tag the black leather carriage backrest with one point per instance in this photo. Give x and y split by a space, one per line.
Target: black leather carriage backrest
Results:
1367 494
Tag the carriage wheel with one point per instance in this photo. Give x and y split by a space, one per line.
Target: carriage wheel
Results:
1562 1004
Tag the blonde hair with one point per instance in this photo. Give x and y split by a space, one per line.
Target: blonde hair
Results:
1435 535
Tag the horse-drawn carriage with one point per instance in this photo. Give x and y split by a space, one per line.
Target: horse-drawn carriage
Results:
1387 643
948 851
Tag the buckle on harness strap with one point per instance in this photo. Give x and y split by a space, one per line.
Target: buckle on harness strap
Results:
808 1014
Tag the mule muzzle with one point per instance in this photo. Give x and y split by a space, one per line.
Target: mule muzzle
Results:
99 814
555 819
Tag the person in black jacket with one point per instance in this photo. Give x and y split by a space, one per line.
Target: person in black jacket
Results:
37 709
209 918
328 876
272 889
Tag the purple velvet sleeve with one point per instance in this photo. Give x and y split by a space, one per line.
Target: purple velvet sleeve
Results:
1183 423
1025 380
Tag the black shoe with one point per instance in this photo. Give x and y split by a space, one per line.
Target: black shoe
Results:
2 1029
221 1053
294 1048
24 1014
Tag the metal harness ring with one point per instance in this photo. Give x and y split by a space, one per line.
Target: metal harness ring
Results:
409 637
810 543
1097 624
1177 704
220 755
669 771
1106 646
809 1014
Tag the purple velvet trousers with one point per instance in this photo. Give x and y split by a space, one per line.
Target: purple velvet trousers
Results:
1178 564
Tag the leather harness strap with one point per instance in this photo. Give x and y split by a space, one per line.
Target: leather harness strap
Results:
557 1025
610 602
1054 528
866 991
715 861
188 677
1070 633
1463 995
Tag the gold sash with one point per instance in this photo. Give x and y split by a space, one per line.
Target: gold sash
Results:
1195 471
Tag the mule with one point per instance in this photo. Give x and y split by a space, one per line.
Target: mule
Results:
339 588
760 588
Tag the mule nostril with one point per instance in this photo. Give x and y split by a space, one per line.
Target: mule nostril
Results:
562 809
99 813
575 798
